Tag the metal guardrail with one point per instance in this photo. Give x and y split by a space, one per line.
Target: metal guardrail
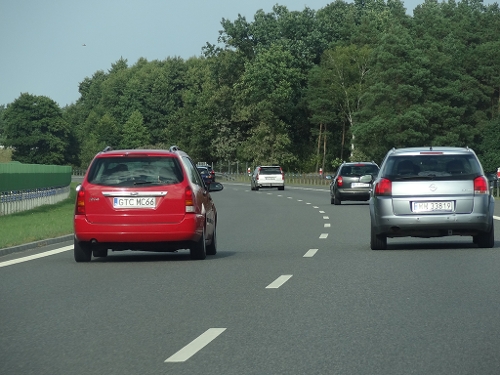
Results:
23 200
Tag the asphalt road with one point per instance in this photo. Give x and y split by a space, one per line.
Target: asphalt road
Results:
294 289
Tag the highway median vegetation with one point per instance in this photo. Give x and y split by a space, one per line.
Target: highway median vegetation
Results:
41 223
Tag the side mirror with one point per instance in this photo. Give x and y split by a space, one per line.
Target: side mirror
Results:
215 186
328 177
78 187
366 179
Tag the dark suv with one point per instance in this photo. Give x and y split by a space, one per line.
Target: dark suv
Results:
346 184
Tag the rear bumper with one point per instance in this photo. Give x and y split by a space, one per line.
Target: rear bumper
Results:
436 225
150 236
270 184
353 194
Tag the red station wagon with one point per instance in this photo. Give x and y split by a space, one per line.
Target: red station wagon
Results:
151 200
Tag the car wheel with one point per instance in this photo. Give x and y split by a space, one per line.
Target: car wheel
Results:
281 188
82 251
198 250
256 188
212 248
332 201
485 239
102 253
377 241
336 200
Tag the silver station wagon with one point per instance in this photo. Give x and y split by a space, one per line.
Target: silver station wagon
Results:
431 192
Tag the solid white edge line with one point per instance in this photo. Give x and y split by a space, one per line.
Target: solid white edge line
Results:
36 256
196 345
279 282
323 235
310 253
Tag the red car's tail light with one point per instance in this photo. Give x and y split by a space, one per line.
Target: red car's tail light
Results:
188 197
80 202
480 185
340 181
383 187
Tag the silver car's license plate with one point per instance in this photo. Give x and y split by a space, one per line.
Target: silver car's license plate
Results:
441 206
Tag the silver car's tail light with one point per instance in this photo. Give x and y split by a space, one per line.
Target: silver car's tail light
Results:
383 187
480 185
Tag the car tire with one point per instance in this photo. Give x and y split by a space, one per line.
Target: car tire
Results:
212 248
82 251
281 188
256 188
377 241
485 239
332 201
336 201
101 253
198 250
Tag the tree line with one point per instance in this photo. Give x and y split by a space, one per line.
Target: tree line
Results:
302 89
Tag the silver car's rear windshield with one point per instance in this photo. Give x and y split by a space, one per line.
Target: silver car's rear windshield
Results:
435 167
135 171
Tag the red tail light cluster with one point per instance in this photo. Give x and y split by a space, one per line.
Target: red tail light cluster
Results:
189 200
80 202
480 185
340 181
282 174
383 187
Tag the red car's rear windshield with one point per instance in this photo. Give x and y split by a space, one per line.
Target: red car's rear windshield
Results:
134 171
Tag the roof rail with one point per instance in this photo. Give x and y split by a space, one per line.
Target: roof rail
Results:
174 148
107 148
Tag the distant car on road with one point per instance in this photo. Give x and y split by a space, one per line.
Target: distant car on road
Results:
152 200
431 192
346 184
205 174
267 176
210 169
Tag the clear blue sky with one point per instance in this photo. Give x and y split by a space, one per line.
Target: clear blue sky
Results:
41 41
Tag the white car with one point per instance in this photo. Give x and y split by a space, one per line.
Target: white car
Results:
267 176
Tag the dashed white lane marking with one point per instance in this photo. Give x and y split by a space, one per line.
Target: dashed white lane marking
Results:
308 203
299 200
327 225
36 256
279 195
315 207
290 197
310 253
322 212
279 282
323 235
326 217
496 217
196 345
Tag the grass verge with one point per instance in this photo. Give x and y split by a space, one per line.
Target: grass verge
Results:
40 223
